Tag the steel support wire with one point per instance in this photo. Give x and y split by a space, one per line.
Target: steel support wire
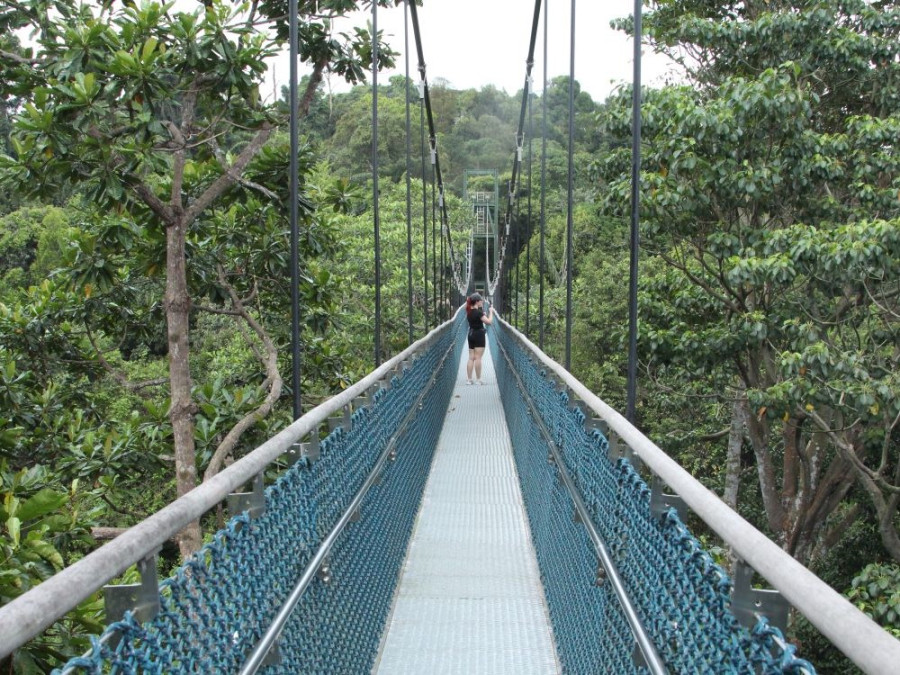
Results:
434 245
273 632
631 396
375 214
651 656
294 214
409 280
530 215
424 190
542 253
570 215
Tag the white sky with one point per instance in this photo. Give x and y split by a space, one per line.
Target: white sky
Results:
473 43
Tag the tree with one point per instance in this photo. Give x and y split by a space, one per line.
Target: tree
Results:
155 115
769 190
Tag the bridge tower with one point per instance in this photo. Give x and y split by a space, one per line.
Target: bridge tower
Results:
482 190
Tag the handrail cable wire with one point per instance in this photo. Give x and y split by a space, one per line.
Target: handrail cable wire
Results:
517 157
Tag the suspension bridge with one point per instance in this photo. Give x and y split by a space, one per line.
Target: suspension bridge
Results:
417 524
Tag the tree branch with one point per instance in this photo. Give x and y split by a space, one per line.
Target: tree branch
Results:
273 377
230 177
118 375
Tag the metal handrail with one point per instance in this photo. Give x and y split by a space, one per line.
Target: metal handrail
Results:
273 632
652 659
862 640
32 612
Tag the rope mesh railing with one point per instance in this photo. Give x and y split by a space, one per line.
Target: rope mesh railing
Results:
682 597
217 606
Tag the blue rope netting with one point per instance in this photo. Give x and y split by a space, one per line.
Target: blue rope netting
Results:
681 595
216 607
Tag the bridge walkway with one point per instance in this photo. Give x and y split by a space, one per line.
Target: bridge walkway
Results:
470 599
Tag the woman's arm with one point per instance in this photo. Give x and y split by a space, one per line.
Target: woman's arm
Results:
488 318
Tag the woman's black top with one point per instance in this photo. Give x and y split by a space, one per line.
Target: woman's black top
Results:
474 318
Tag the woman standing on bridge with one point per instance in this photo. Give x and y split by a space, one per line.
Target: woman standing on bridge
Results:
477 334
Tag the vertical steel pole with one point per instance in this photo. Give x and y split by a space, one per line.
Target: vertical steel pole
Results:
375 184
294 215
409 281
543 255
424 206
530 222
630 407
570 219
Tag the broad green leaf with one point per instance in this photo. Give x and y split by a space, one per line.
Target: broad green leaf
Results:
14 527
44 501
46 550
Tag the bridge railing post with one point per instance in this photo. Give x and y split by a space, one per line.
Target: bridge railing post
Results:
141 599
254 502
661 501
749 603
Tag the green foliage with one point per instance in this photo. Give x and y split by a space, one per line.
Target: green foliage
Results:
876 591
771 202
32 244
42 524
354 275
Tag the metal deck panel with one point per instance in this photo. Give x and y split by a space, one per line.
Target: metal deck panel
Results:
470 599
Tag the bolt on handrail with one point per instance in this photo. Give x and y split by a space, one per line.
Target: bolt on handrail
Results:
29 614
862 640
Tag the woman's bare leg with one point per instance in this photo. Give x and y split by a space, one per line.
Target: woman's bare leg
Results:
479 352
470 365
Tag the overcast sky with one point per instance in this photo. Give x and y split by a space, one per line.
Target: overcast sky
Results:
473 43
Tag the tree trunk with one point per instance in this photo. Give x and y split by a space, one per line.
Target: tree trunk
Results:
181 411
733 458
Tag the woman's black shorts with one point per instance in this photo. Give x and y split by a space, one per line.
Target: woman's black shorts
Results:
476 337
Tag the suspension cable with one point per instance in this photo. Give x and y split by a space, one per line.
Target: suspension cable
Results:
517 246
444 284
409 282
424 191
434 279
543 256
375 213
570 216
528 231
294 212
635 218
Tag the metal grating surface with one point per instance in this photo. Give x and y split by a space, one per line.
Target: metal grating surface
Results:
470 599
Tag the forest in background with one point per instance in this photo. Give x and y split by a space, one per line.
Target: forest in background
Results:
143 200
